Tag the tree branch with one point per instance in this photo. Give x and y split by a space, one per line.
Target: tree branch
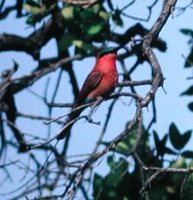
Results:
34 42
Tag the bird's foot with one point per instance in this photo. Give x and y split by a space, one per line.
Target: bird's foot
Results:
90 120
97 102
95 105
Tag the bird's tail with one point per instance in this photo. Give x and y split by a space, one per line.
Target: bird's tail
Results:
69 122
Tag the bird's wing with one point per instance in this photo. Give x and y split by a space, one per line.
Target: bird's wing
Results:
91 82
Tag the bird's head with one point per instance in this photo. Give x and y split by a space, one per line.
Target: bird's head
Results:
107 56
108 51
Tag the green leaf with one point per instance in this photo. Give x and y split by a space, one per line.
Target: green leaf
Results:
125 145
37 12
189 91
108 187
179 163
97 184
190 106
110 161
33 19
188 193
161 145
87 16
68 12
174 136
93 21
32 9
177 139
83 45
91 15
122 147
118 168
95 8
104 15
187 135
49 3
94 29
170 151
187 154
65 42
188 32
32 3
116 17
156 138
189 60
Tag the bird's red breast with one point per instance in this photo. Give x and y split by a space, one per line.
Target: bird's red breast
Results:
107 66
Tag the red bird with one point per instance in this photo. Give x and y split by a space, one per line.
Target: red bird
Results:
99 83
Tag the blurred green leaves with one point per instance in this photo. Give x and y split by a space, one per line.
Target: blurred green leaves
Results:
123 179
160 144
115 184
37 10
188 92
189 62
125 146
187 32
189 58
177 139
68 12
116 17
82 27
